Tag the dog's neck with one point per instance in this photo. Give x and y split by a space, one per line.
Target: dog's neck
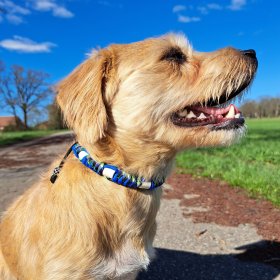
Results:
148 160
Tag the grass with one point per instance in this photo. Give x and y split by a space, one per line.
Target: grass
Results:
8 138
253 164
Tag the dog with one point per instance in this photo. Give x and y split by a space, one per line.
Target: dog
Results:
133 107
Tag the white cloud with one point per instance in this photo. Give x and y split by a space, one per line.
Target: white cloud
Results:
43 5
12 8
214 6
51 6
21 44
186 19
62 12
203 10
211 6
236 5
13 12
178 8
14 19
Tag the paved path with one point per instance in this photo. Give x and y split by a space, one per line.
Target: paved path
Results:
186 250
21 164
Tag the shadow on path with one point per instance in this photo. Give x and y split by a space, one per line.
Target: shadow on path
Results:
54 139
259 261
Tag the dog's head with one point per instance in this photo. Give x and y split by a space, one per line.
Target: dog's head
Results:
158 90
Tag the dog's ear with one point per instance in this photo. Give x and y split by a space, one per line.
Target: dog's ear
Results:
81 97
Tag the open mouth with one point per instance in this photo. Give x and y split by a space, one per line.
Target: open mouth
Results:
211 114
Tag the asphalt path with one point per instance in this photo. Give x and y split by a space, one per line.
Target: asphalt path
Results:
185 249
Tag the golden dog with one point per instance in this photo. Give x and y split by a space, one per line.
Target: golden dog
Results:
133 106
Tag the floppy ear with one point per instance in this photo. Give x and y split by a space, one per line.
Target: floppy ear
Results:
81 97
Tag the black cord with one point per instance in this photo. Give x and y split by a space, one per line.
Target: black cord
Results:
57 169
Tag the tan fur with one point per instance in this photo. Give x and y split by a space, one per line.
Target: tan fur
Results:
119 103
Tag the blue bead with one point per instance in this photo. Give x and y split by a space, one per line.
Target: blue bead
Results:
126 182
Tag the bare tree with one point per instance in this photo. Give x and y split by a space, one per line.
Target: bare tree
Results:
7 95
24 91
55 117
250 109
266 107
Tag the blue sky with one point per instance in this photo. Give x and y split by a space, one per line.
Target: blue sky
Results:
56 35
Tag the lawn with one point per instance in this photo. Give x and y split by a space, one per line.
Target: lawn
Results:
253 164
7 138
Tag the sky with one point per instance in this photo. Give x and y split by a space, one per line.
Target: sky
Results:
56 35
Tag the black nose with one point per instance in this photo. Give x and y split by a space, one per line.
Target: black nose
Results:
251 53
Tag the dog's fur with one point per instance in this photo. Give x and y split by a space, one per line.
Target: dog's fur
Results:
119 103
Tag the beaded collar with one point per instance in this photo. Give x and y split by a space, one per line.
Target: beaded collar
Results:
110 172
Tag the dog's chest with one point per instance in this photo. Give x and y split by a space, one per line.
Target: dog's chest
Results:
125 262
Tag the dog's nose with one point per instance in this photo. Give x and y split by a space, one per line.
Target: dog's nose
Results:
251 53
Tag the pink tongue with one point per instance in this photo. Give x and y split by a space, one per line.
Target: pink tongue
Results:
214 111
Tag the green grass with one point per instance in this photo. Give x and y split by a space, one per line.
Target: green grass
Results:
8 138
253 164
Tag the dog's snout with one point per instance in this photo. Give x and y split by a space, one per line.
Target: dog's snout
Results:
251 53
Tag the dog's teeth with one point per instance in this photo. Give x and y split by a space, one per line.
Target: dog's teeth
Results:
202 116
237 116
230 113
191 115
183 113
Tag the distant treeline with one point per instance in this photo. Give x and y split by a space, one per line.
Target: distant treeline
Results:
265 108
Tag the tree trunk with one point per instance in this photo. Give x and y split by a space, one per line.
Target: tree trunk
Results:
25 120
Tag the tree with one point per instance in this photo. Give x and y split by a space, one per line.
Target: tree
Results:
24 91
55 117
250 109
266 107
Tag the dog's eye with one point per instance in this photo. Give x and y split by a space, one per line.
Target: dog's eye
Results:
175 55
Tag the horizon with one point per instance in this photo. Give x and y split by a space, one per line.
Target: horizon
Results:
72 28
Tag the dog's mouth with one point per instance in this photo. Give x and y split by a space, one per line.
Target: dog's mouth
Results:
211 113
